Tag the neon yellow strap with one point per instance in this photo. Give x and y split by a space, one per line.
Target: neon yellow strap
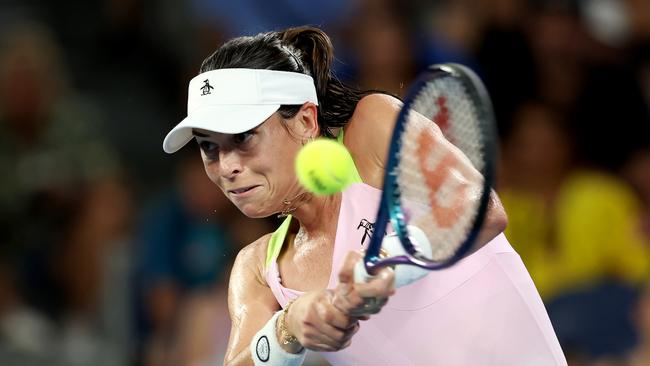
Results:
276 241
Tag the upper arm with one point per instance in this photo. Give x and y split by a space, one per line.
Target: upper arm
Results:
368 136
368 133
250 301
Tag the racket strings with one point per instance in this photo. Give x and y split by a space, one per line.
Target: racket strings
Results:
448 98
434 193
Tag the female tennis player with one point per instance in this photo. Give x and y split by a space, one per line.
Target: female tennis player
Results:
255 103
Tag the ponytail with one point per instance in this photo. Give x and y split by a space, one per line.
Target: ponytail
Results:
336 100
316 52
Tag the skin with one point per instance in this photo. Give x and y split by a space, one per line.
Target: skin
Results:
263 161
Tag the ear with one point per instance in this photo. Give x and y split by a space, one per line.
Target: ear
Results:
307 118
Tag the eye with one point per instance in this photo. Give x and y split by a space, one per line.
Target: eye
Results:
242 138
210 149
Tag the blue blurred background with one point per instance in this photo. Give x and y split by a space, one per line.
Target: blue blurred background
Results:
114 253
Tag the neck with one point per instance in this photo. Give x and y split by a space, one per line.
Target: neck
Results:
314 213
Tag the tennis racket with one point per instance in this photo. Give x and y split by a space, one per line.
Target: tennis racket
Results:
435 196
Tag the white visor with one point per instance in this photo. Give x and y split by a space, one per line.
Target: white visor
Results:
238 100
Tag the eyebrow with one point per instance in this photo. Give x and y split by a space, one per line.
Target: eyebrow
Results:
198 134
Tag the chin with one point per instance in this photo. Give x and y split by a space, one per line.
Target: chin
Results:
254 212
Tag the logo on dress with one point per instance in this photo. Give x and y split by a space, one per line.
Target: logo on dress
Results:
262 349
205 89
368 229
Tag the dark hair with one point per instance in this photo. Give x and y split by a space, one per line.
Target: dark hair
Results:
306 50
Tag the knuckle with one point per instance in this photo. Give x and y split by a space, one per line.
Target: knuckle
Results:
320 310
327 316
308 335
340 335
305 321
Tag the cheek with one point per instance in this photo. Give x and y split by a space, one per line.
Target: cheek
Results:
281 171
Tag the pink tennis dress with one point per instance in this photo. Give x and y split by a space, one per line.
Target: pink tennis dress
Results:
484 310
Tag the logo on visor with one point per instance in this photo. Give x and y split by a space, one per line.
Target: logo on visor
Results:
205 89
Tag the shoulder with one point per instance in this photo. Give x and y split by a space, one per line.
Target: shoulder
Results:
376 110
372 102
368 133
250 260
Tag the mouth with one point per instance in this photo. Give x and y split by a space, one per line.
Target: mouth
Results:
239 192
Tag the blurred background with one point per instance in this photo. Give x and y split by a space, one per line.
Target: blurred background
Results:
114 253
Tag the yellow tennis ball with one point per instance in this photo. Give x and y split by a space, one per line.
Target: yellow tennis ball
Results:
324 166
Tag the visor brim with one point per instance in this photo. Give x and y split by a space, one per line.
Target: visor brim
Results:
229 119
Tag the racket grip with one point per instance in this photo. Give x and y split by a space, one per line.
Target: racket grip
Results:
360 273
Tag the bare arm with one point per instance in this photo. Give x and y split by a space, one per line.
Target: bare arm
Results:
250 302
316 322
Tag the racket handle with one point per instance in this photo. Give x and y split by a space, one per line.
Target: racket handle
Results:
404 274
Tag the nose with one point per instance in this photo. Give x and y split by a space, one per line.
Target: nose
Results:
229 164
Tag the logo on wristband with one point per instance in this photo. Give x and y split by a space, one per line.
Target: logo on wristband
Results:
262 349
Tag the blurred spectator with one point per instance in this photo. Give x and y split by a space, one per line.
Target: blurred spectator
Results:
138 77
382 47
577 230
49 137
64 203
450 30
637 172
610 104
558 41
505 57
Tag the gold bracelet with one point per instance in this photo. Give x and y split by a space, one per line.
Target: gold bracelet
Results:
287 338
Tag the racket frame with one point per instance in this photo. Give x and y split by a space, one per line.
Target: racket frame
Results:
390 208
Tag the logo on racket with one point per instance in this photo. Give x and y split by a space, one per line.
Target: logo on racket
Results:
205 89
368 227
435 177
442 116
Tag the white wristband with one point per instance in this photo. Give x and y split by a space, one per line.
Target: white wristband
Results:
266 350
